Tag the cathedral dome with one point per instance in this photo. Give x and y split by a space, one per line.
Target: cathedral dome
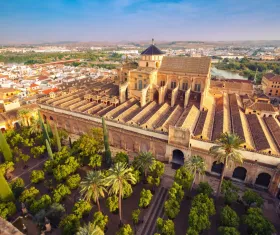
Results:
152 50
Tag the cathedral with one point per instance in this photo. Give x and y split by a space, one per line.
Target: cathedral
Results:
157 75
171 107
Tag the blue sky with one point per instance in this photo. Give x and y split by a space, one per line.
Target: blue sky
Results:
116 20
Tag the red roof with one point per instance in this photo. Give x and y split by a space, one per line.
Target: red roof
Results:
33 85
48 91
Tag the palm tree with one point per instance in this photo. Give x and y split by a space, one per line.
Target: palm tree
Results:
196 165
92 187
143 162
90 229
35 127
119 177
24 115
227 153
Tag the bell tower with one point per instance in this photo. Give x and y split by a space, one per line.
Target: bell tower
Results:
151 57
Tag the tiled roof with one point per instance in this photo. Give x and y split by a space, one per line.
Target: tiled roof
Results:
7 228
262 107
186 64
48 91
152 50
269 75
272 77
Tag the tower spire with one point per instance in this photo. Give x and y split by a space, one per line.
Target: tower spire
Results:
153 41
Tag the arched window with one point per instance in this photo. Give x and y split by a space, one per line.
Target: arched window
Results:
197 87
263 179
217 168
157 64
173 84
184 86
140 85
147 64
239 173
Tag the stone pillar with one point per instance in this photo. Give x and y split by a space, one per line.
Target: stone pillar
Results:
229 171
252 173
274 184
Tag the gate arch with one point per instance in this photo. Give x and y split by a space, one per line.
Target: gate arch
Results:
217 168
239 173
177 159
263 179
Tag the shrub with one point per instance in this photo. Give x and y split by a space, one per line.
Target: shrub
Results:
204 203
29 195
81 208
37 151
145 198
127 191
183 177
48 166
39 217
135 216
95 161
176 192
125 230
165 227
121 157
7 209
250 197
43 203
230 192
198 221
37 176
171 208
62 171
60 192
257 223
136 174
205 188
228 231
229 218
70 224
192 231
55 212
6 167
100 220
202 208
17 186
112 203
73 181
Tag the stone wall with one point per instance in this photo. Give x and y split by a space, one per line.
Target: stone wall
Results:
134 139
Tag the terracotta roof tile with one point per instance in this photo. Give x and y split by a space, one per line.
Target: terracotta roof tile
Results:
6 228
186 64
262 107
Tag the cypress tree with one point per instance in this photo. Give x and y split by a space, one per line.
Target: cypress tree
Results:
49 130
44 130
6 193
108 156
5 148
70 142
50 153
58 143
